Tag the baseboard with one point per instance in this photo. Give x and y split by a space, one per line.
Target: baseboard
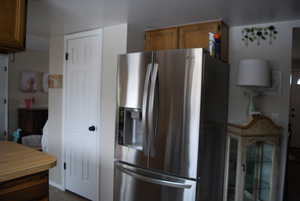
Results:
60 187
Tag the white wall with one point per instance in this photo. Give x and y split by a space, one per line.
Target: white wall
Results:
135 37
114 43
29 60
279 56
56 63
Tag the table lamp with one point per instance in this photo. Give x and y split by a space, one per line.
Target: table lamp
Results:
254 75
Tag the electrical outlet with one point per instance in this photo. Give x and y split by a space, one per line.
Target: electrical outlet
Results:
275 116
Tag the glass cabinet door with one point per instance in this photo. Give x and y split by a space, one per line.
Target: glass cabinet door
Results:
258 170
266 170
250 169
232 169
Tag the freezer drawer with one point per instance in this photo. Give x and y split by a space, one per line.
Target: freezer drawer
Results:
136 184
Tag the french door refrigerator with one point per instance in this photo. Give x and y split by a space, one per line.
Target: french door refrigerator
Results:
171 126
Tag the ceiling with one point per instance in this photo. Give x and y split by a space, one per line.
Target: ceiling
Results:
50 17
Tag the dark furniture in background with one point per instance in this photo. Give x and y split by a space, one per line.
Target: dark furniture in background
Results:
32 121
292 178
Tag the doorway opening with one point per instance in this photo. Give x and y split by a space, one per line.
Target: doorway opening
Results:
292 180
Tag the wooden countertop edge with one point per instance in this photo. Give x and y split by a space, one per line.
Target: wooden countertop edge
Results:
21 173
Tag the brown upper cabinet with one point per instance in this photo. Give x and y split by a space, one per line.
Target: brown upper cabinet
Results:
188 36
12 25
196 36
161 39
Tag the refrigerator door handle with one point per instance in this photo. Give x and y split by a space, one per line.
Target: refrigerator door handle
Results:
155 180
152 129
145 107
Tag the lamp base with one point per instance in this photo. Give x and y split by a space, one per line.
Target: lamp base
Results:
255 113
251 107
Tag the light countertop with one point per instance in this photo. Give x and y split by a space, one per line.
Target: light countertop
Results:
17 160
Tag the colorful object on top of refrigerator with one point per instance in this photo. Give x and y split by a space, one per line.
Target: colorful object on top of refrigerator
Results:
171 126
214 45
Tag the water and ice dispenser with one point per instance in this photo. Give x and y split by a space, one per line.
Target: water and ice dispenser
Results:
130 128
131 77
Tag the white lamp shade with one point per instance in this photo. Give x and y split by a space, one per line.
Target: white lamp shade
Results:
254 73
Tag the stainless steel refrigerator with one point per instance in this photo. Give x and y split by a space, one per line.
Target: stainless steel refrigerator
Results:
171 126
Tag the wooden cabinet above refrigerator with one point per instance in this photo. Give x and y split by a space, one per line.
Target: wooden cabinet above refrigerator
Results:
187 36
12 25
161 39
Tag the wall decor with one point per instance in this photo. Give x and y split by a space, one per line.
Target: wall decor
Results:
29 82
258 34
55 81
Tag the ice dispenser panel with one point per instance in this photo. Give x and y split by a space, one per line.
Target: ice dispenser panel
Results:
130 128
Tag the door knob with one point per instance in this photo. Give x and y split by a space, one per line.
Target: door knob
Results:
92 128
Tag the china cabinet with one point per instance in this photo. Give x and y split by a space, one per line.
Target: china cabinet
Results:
252 160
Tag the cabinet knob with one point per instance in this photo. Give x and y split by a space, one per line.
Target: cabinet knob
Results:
92 128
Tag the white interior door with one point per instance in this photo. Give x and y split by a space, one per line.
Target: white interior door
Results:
3 96
82 103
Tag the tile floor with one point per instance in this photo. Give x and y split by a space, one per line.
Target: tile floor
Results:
58 195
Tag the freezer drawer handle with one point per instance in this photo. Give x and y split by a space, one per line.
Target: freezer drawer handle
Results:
155 181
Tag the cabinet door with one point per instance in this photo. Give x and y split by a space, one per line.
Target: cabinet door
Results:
12 25
258 172
231 172
196 36
161 39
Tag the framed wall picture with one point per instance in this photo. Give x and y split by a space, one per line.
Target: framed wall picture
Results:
55 81
29 82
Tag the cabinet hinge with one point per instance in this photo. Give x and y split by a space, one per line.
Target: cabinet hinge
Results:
65 165
5 133
67 56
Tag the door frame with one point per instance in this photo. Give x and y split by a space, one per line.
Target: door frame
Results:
99 33
5 58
